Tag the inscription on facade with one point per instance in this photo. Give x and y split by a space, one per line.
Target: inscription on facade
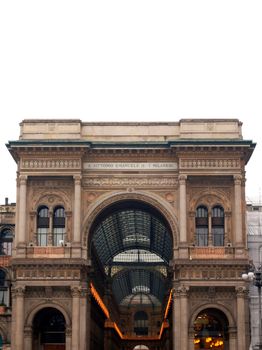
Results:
130 166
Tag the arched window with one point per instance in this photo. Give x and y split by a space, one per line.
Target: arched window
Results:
42 226
6 239
58 226
218 226
141 323
202 226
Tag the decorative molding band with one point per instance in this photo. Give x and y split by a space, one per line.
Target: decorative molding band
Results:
129 181
51 164
209 163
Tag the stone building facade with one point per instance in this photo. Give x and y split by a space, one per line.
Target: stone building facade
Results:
254 239
130 236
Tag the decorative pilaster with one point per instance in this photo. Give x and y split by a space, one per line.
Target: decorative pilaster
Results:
77 209
18 315
182 208
238 210
75 291
85 319
176 319
28 337
22 210
241 293
184 317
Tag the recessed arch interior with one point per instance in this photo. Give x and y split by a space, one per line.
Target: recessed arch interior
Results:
132 242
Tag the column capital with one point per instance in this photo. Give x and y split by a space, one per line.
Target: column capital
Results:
238 179
77 179
182 179
18 291
75 291
22 179
241 291
181 291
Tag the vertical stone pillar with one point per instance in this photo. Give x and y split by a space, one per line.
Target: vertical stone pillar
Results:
238 211
184 318
232 338
241 319
16 216
182 217
83 319
21 232
28 338
77 210
19 293
68 335
176 315
191 338
75 292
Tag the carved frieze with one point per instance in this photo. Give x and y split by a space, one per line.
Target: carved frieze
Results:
51 163
47 273
209 163
114 181
206 272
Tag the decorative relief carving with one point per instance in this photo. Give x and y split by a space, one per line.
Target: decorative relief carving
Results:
51 164
48 292
209 163
51 184
18 291
209 273
129 181
49 273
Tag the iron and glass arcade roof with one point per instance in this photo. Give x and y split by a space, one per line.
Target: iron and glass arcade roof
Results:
133 243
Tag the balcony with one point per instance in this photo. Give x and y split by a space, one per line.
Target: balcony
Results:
217 253
48 252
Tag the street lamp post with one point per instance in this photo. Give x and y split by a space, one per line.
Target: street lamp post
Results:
256 277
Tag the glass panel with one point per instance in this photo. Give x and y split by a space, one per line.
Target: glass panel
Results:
42 236
202 236
58 236
43 217
218 226
59 217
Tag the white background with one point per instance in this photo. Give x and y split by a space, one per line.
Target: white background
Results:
123 60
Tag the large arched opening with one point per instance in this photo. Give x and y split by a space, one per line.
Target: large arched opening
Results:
211 330
49 328
131 247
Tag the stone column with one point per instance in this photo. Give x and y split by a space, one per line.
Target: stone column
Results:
184 318
238 211
68 335
75 317
83 319
241 326
21 236
19 317
176 315
191 338
232 338
77 210
182 208
28 338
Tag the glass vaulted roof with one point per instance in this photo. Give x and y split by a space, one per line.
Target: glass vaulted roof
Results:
133 243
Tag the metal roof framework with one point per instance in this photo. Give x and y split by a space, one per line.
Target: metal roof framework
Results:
133 243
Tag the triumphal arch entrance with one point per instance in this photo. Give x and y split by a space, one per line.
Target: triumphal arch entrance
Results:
130 236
